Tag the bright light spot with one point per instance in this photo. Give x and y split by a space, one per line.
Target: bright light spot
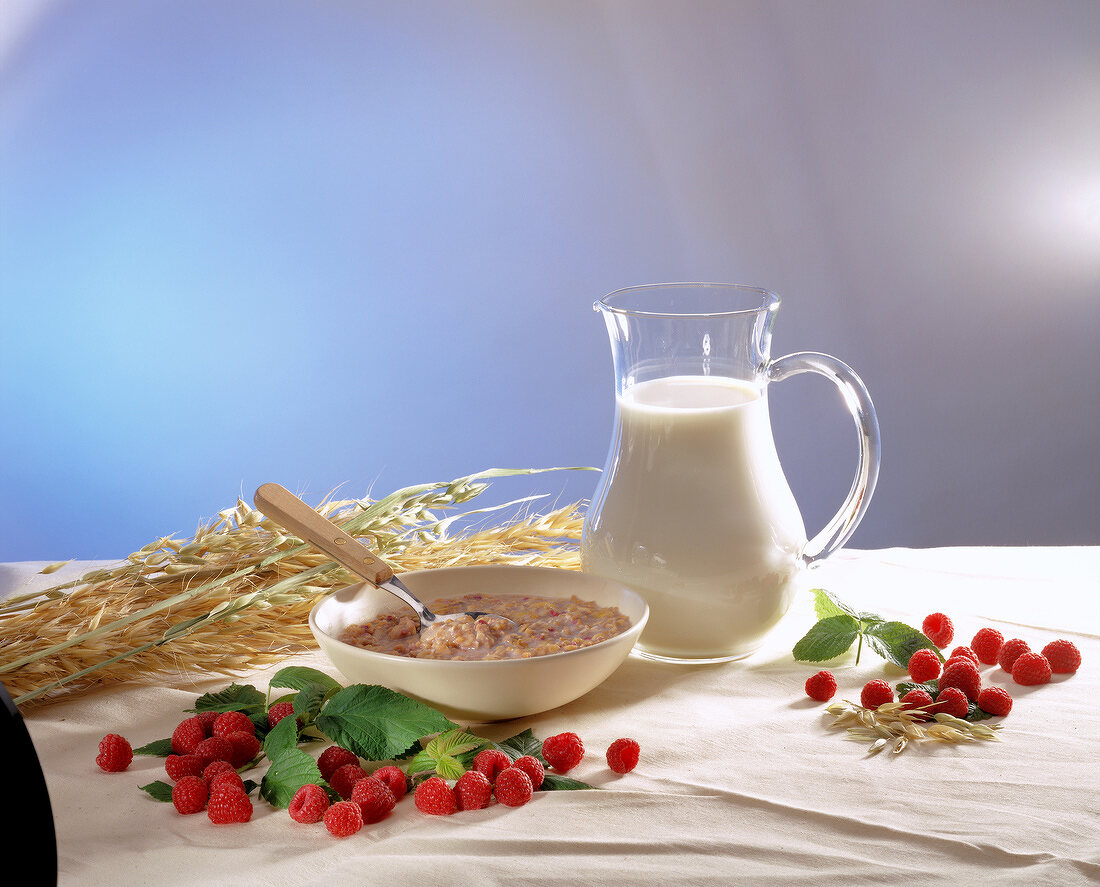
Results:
1064 218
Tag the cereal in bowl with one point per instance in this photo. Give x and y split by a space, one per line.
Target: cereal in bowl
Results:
543 625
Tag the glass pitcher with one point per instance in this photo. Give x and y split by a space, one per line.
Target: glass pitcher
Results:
693 510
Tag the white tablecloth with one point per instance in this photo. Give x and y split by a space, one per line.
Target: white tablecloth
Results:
740 781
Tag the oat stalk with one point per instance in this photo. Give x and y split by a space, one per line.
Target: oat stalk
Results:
236 595
895 725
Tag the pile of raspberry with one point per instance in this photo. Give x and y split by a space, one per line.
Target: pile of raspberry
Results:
953 684
209 749
494 777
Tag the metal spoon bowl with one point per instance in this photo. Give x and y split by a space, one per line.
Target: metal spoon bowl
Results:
294 515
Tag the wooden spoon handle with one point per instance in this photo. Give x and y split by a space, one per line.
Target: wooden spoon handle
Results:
282 506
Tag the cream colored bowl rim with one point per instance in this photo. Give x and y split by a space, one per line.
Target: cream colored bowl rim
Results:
636 625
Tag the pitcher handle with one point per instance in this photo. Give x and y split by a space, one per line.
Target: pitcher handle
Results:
838 530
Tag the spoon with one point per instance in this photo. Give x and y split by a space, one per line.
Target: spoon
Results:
294 515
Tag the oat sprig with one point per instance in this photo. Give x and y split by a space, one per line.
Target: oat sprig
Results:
897 726
237 594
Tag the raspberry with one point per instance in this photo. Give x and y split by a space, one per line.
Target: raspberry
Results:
1063 656
230 722
939 629
343 819
226 777
473 791
374 798
216 768
876 693
490 762
228 804
563 752
245 747
1030 669
622 755
435 797
962 673
178 766
1010 652
115 753
214 748
966 660
210 769
924 665
344 778
207 718
532 766
309 803
187 735
333 758
189 795
987 645
513 787
995 701
918 698
279 711
965 652
394 777
952 701
821 686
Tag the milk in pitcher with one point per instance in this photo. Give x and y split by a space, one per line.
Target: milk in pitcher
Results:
694 512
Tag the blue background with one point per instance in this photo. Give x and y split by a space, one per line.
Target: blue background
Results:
355 245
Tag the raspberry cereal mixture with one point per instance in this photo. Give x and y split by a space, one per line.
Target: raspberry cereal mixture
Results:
542 626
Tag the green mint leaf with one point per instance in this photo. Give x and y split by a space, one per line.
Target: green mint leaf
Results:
308 701
932 687
447 766
290 768
160 748
869 618
449 754
828 638
298 677
421 762
377 723
158 791
525 743
973 713
281 739
237 697
554 782
455 742
896 642
827 604
288 773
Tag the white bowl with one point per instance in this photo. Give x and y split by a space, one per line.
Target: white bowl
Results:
480 691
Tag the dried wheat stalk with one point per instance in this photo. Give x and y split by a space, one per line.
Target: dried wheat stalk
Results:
237 595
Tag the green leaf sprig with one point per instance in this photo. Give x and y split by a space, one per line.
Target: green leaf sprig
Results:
449 754
374 722
838 626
